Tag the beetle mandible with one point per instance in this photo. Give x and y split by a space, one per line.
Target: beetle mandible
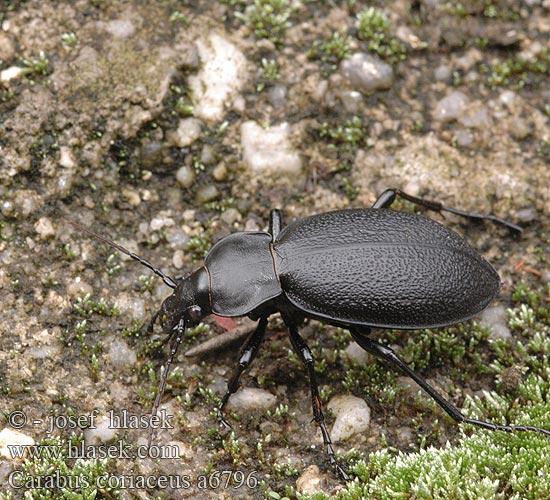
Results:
355 268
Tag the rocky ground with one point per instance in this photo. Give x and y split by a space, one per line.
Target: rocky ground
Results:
166 125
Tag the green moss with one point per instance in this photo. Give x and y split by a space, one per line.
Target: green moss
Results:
199 245
373 27
269 19
351 133
482 464
179 17
82 476
37 66
518 72
331 51
69 39
268 75
85 307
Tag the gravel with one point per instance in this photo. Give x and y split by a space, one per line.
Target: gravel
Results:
367 73
451 107
352 417
268 151
188 131
223 74
495 318
250 400
185 176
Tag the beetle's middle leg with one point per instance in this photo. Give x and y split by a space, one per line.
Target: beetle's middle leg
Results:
248 353
304 353
388 197
395 361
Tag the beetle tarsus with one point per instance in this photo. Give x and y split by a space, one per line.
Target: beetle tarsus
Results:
248 353
304 353
388 197
388 355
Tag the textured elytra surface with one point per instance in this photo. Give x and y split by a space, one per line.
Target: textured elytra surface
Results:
241 273
382 268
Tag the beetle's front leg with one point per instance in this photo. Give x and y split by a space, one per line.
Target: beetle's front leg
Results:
388 197
395 361
248 353
304 353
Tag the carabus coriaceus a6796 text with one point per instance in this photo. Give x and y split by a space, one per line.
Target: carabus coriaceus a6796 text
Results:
356 269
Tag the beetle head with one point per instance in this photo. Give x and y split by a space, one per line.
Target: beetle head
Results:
190 301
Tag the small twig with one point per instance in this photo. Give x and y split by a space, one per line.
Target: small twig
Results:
223 340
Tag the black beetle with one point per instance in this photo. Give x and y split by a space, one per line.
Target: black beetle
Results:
356 269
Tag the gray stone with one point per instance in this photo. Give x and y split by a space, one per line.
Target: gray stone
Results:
230 216
251 399
356 353
528 214
188 131
310 481
269 151
151 153
367 73
442 73
208 156
475 116
451 107
102 433
120 354
13 437
352 100
121 28
207 193
185 176
495 318
7 49
44 228
131 306
176 237
223 74
352 417
464 138
277 96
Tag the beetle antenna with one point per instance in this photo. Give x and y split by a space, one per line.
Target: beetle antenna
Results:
167 280
177 337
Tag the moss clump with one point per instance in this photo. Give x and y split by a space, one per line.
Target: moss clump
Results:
373 27
331 51
518 72
269 19
82 477
86 306
350 134
483 464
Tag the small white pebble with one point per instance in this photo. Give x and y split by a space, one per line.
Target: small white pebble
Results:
10 437
310 481
120 354
352 417
250 399
11 73
44 228
102 432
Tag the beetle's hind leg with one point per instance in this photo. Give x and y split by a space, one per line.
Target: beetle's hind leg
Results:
304 353
388 197
395 361
248 353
